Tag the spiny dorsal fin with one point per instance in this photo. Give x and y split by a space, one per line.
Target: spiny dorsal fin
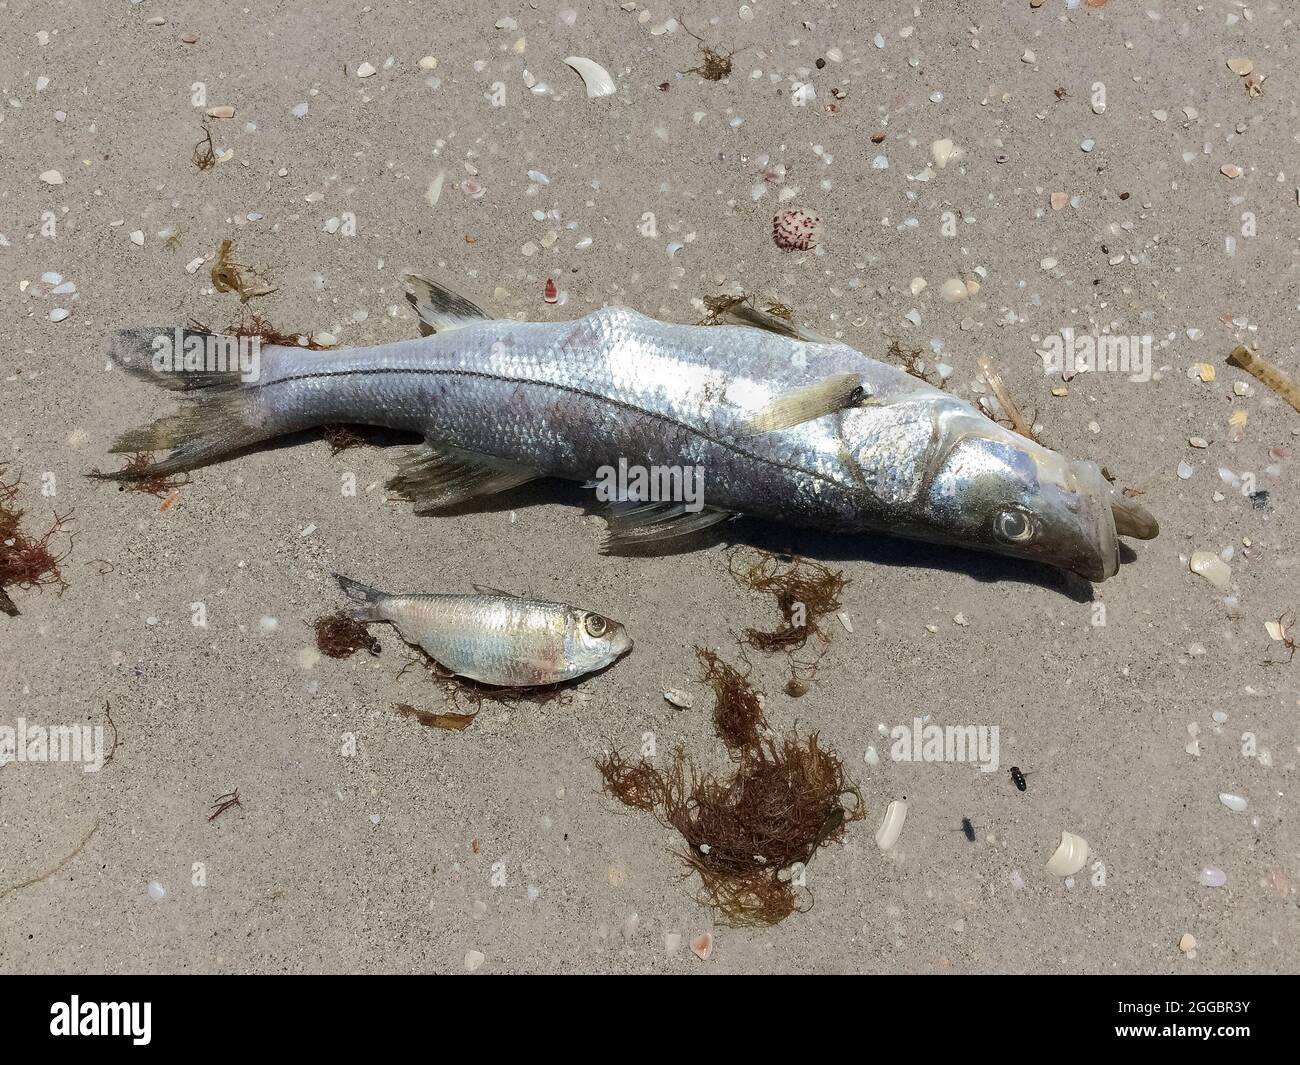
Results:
440 309
435 476
745 314
804 404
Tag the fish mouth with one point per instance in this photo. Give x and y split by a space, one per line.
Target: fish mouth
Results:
1130 518
1097 553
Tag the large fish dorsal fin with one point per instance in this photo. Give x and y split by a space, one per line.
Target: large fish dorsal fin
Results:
742 313
433 476
439 308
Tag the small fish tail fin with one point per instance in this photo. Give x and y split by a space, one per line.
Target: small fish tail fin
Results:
218 415
368 599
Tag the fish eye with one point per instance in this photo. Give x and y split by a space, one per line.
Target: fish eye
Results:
596 625
1013 525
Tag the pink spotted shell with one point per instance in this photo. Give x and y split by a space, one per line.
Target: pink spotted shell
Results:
795 230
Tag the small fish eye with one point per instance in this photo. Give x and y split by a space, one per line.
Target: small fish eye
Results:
596 625
1013 525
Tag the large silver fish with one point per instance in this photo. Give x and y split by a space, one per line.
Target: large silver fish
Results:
783 425
495 638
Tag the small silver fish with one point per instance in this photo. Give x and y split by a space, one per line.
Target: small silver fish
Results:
770 421
505 640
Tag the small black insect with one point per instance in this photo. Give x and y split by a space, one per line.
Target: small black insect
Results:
1017 777
968 829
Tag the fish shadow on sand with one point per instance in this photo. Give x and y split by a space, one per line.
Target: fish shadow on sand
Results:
878 548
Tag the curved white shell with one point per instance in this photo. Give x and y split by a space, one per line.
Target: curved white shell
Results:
594 76
892 824
1070 856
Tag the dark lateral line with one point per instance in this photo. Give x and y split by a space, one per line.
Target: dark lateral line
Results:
586 394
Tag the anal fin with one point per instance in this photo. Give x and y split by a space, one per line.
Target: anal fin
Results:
434 476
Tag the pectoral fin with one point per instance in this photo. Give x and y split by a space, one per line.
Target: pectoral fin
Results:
804 404
434 476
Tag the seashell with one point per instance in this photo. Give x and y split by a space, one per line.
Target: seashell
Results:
944 152
1240 65
1210 566
678 698
891 826
1071 855
702 946
795 230
594 76
954 290
1233 802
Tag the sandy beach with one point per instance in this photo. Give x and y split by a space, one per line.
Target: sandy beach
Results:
995 179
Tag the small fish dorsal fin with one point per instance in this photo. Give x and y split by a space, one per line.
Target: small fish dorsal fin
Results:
439 308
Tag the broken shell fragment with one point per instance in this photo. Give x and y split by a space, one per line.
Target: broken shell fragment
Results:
1240 65
795 230
1071 855
944 152
594 76
891 826
678 698
1210 566
224 111
702 946
1235 803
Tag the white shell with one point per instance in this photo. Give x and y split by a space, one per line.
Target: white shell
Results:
594 76
678 698
892 824
1070 856
1210 566
1233 802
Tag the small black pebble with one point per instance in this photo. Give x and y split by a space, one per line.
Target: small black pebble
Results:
821 63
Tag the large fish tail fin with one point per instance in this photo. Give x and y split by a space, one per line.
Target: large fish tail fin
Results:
218 415
368 599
